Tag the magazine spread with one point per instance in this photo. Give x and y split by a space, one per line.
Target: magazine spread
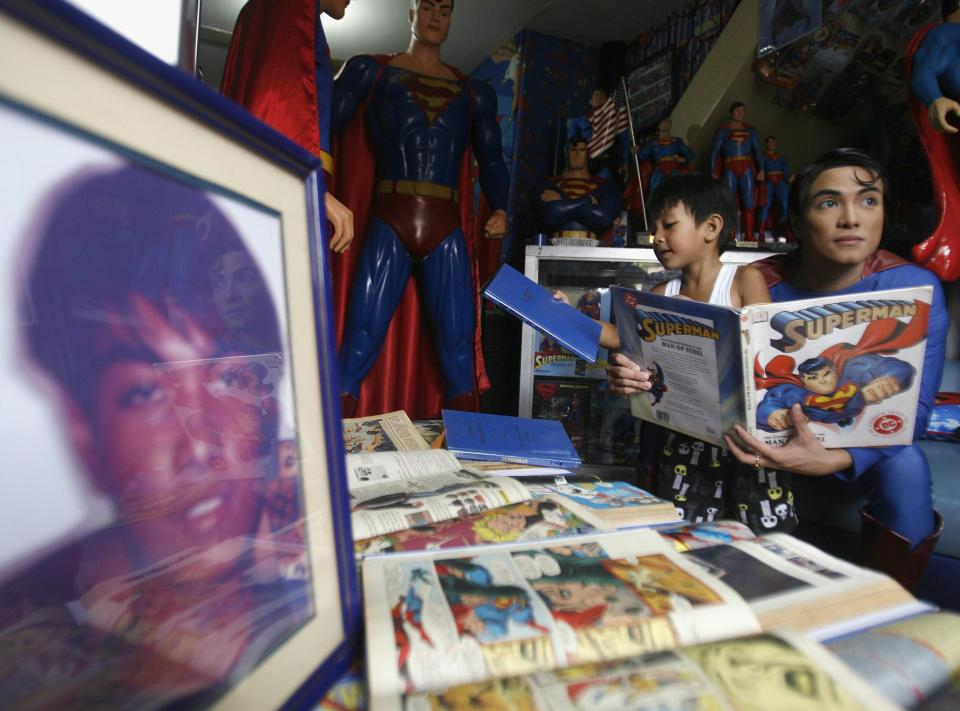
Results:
527 521
390 432
910 660
757 672
853 362
789 583
435 620
391 491
608 505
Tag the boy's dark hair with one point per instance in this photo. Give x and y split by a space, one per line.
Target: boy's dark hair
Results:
736 105
415 3
702 196
948 7
837 158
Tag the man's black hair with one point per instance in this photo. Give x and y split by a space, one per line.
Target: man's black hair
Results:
837 158
736 105
702 196
948 7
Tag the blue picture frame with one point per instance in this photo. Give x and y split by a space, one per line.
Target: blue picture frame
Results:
105 132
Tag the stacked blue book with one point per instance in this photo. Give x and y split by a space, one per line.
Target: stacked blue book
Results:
501 438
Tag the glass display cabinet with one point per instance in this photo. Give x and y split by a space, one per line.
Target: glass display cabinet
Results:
555 384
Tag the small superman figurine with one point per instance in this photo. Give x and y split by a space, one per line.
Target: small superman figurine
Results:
933 54
737 158
668 155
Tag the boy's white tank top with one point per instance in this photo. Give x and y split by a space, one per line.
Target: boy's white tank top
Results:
720 295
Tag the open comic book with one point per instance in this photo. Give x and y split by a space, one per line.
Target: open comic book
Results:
535 520
440 619
389 432
912 661
853 362
751 673
789 583
391 491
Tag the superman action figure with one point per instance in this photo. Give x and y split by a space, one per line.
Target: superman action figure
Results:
736 157
933 54
668 155
777 184
421 117
576 204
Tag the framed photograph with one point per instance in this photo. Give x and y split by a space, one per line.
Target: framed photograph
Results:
174 527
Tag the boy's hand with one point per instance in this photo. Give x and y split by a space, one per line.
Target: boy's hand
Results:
626 377
560 296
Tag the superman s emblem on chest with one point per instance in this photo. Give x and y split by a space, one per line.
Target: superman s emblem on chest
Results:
739 136
432 95
837 401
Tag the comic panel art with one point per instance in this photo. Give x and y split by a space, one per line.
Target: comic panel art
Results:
466 619
606 608
526 521
751 578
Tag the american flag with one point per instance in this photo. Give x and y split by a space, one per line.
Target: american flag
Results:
606 121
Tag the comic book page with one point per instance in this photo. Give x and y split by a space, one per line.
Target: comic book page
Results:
853 363
527 521
754 673
392 491
551 359
692 352
439 619
790 583
911 660
390 432
608 505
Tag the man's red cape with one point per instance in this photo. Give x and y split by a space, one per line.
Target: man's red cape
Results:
940 252
406 375
271 67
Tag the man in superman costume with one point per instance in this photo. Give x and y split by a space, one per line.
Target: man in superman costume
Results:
933 56
835 386
736 156
420 117
575 204
278 67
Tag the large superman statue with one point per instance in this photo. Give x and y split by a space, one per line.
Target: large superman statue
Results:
278 67
837 385
933 55
736 156
420 118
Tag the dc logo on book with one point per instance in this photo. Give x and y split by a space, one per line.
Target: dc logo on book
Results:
887 424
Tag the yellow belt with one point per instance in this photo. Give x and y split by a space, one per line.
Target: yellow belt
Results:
576 234
418 187
737 159
326 161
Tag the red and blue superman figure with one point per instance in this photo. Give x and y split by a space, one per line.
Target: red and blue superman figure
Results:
421 116
776 186
933 56
668 155
576 204
737 158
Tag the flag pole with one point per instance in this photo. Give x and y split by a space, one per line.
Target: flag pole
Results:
633 152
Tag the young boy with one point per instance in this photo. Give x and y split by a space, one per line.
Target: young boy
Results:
693 215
